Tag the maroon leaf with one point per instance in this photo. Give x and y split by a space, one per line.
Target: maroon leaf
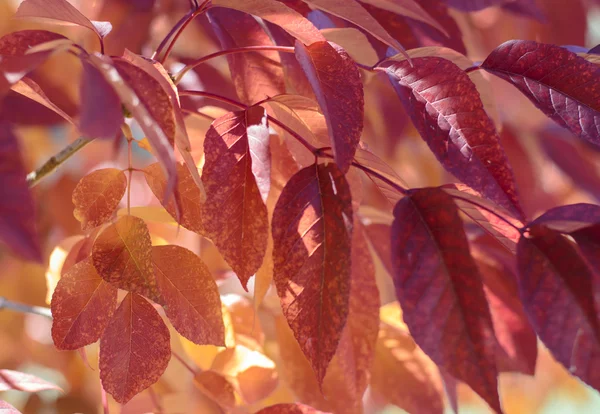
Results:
98 97
312 230
20 381
17 43
28 88
440 290
379 236
236 176
134 350
17 209
446 109
407 8
337 85
236 29
474 5
570 218
543 73
557 289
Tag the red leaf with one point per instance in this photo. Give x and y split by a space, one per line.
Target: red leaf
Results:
570 218
408 8
217 388
557 289
17 209
134 350
277 13
97 94
353 12
295 408
97 196
20 381
190 295
18 43
236 29
440 290
312 227
122 255
542 72
337 85
63 11
446 109
236 176
187 194
82 305
29 89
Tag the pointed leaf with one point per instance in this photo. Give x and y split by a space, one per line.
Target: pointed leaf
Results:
542 72
187 194
277 13
17 209
97 196
446 109
122 255
32 90
236 176
134 350
295 408
190 295
312 227
569 218
353 41
82 305
20 381
337 85
440 290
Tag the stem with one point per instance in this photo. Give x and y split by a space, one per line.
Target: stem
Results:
472 68
185 364
104 400
54 162
186 69
214 96
200 114
129 136
23 308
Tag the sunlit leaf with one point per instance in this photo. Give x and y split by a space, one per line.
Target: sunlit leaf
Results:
20 381
354 42
216 387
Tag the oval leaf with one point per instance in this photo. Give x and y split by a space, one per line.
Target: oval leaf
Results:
569 218
190 295
440 290
82 305
134 350
446 109
335 79
122 255
97 196
236 176
312 230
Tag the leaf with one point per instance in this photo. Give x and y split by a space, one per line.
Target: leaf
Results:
98 96
336 82
187 194
20 381
6 408
32 90
407 8
190 295
294 408
235 29
134 349
475 5
82 305
440 290
17 209
122 255
556 288
312 228
542 73
236 176
354 42
217 388
379 235
353 12
63 11
445 107
570 218
18 43
279 14
97 196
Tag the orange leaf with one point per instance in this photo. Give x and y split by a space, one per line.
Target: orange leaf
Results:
134 350
122 255
295 408
190 295
236 177
187 195
217 388
312 230
82 305
97 195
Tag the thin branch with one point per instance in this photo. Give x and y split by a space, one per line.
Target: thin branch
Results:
214 96
23 308
193 370
472 68
54 162
298 137
186 69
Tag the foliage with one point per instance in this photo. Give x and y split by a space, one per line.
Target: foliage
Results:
259 231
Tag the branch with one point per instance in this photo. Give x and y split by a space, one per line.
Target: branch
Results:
23 308
54 162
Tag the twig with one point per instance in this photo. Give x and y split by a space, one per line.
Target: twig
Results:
215 97
54 162
23 308
178 357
